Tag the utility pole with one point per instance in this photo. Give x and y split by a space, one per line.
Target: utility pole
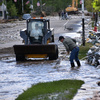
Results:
22 7
83 28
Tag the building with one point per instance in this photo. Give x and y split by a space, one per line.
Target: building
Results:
3 11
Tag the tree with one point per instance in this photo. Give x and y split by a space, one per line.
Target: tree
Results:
26 7
96 5
12 11
49 7
88 5
52 5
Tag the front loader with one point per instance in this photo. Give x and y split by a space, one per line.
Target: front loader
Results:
37 45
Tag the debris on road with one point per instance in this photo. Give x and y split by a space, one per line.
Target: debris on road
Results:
93 55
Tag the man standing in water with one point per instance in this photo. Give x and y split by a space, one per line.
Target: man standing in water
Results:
70 45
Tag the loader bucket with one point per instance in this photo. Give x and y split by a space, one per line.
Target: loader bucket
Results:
22 51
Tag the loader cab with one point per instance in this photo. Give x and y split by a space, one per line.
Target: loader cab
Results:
34 31
37 30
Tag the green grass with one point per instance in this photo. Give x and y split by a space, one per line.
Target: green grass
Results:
84 50
56 90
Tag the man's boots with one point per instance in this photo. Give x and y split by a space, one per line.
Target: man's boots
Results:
72 65
78 63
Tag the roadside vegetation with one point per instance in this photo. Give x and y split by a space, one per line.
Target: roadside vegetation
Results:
56 90
84 49
49 7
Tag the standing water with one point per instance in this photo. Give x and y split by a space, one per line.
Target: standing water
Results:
17 77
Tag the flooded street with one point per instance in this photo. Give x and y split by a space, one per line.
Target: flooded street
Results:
17 77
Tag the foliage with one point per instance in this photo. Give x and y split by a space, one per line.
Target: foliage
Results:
49 10
48 6
84 50
26 7
0 3
51 5
57 4
88 5
61 90
18 6
12 11
96 5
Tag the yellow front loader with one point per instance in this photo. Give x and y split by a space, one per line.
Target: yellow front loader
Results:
37 45
72 9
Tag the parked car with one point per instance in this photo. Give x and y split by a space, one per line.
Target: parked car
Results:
26 16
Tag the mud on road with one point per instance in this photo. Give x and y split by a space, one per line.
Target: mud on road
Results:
23 75
6 52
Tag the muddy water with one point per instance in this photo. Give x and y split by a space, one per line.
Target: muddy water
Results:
17 77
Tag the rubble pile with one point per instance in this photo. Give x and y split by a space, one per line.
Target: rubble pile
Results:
93 37
93 55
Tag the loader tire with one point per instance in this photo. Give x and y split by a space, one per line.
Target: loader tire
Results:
54 56
20 57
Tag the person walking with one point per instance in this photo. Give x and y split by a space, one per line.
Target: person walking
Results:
66 15
59 13
70 45
62 15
